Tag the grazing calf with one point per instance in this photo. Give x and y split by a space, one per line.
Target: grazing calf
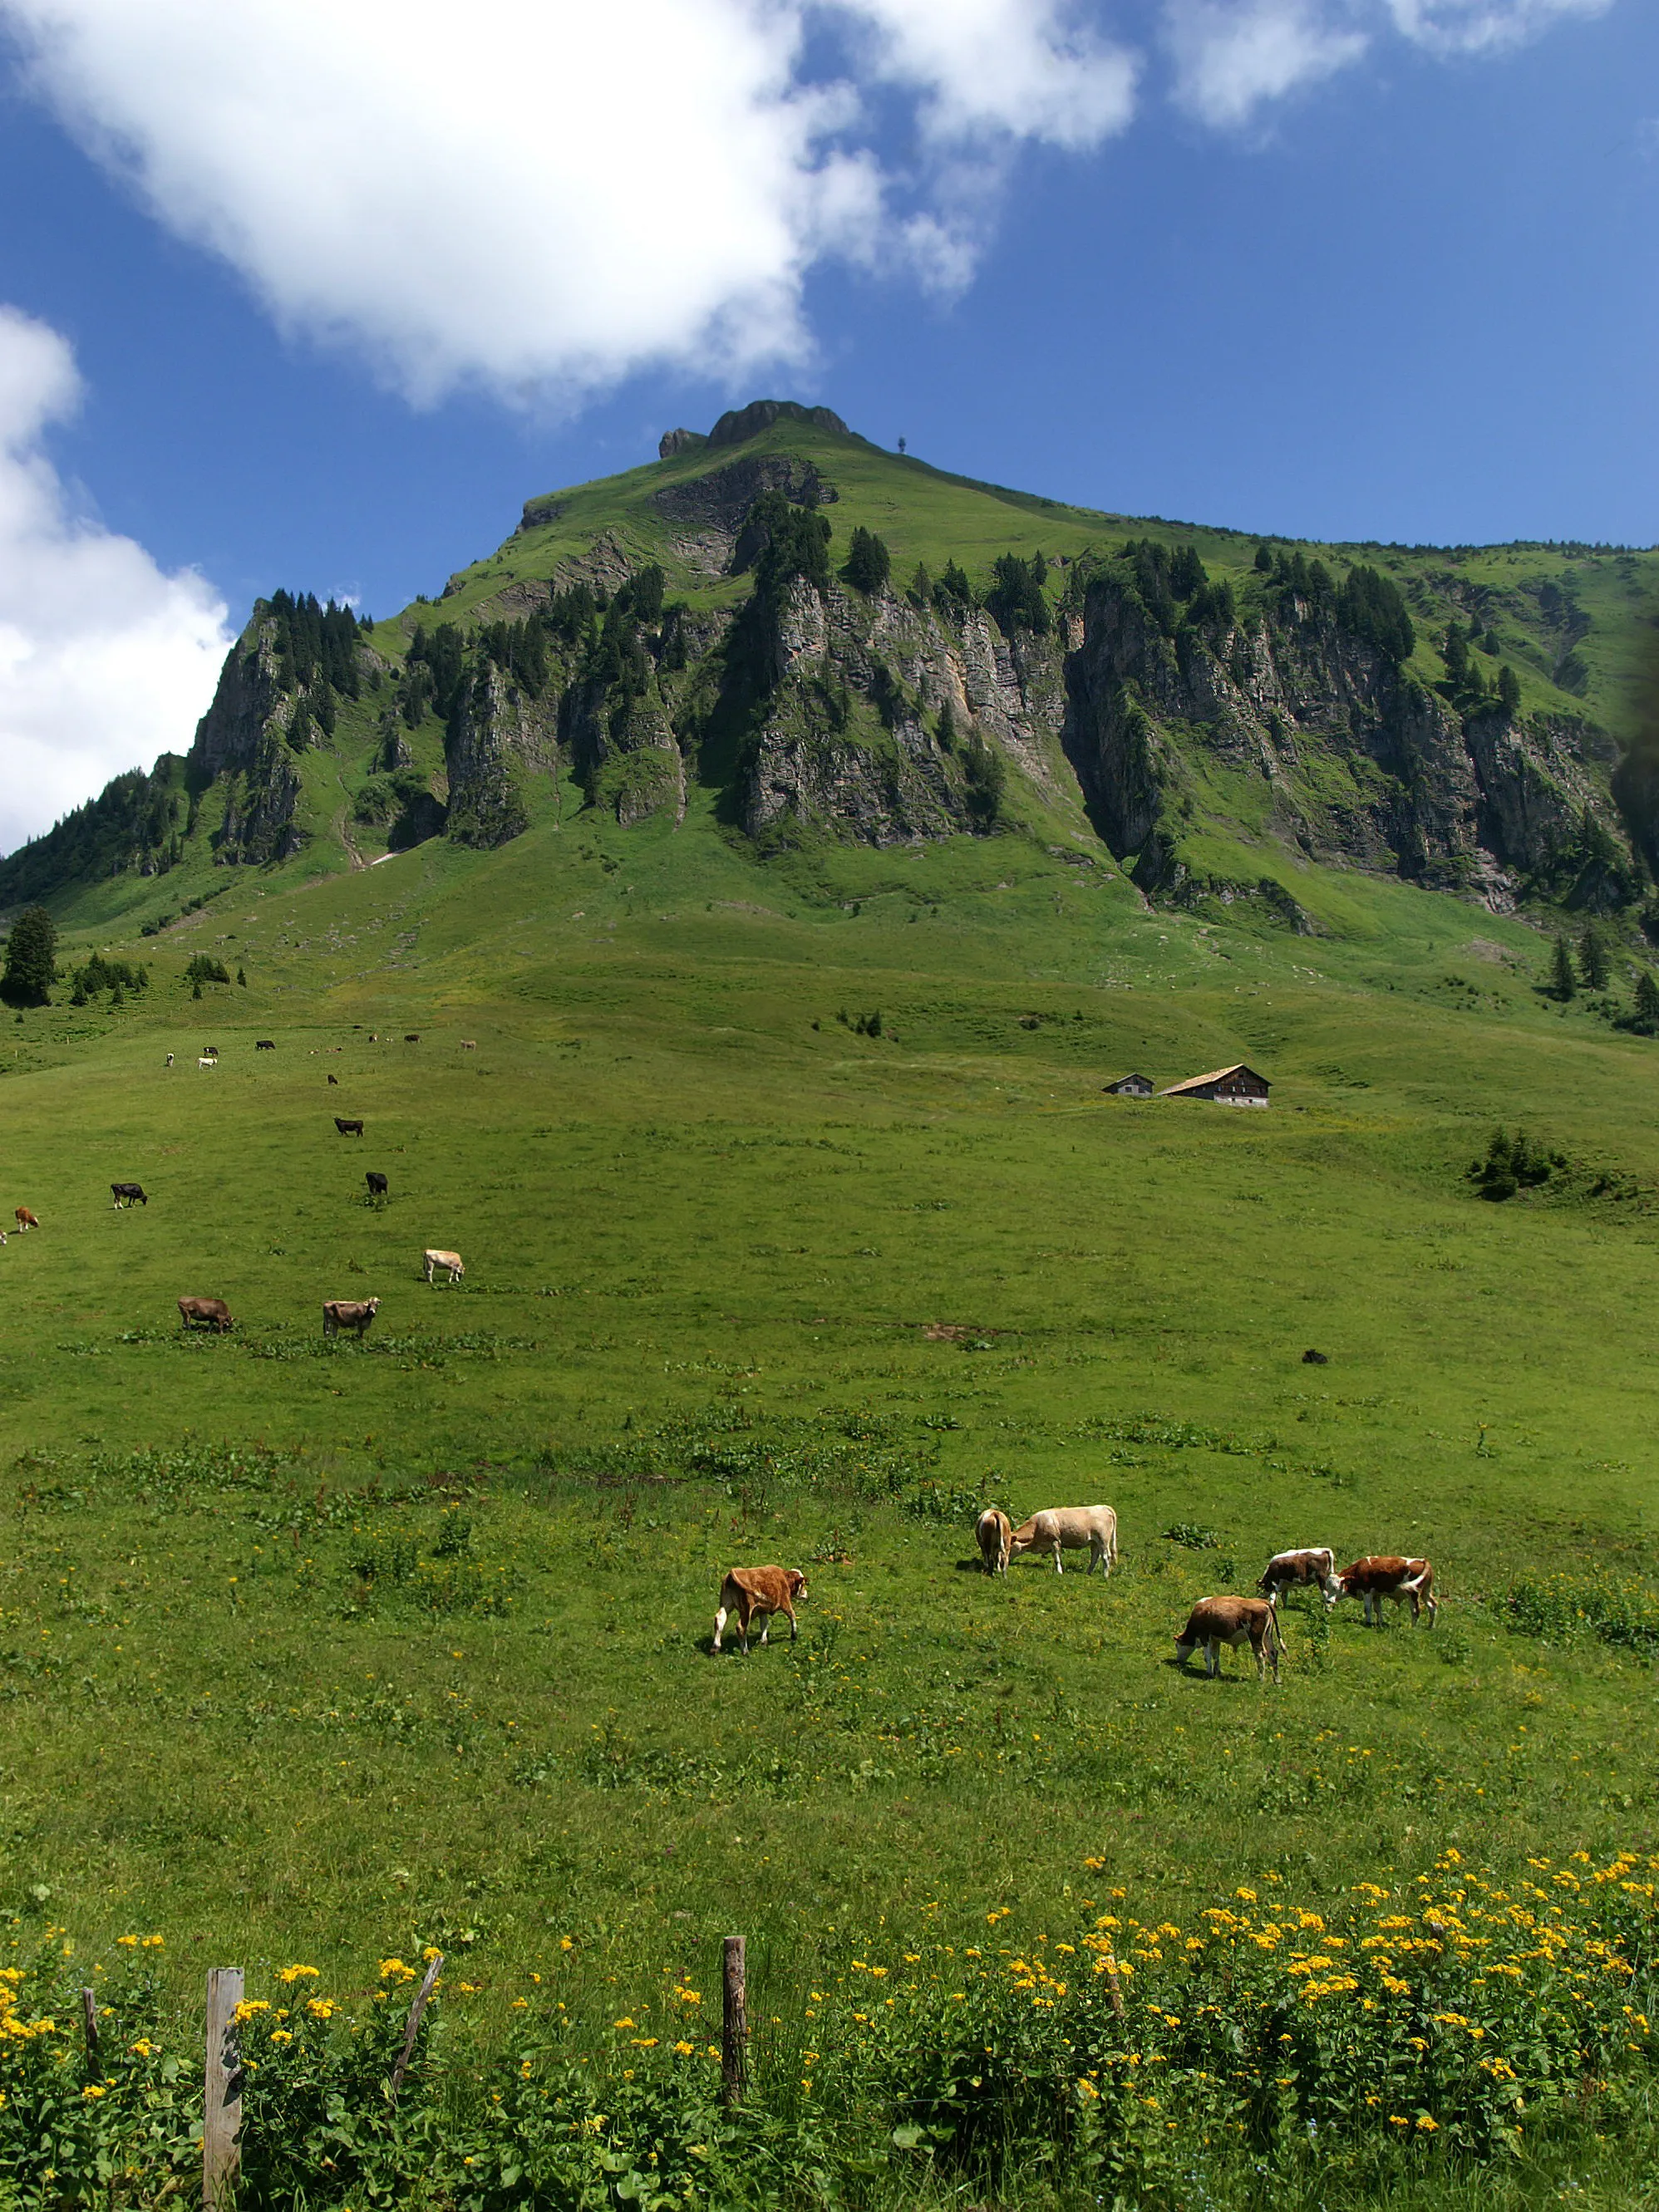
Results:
376 1184
1302 1571
412 1037
25 1219
208 1060
469 1044
1214 1622
264 1044
348 1128
756 1594
128 1193
209 1052
1071 1529
349 1313
994 1532
334 1080
451 1260
206 1313
1387 1575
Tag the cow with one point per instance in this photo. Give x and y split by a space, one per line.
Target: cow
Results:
209 1052
206 1313
376 1184
1387 1575
128 1193
25 1219
208 1060
264 1044
469 1044
1302 1571
1214 1622
1071 1529
169 1060
334 1080
993 1532
451 1260
349 1313
412 1037
756 1594
348 1128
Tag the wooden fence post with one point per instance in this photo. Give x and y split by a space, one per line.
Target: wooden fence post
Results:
734 2023
89 2022
222 2111
413 2028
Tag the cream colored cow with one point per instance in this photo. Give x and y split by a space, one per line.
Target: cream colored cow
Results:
451 1260
994 1532
1092 1528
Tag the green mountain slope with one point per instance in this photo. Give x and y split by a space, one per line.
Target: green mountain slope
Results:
1210 715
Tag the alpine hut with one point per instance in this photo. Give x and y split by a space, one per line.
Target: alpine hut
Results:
1237 1085
1131 1086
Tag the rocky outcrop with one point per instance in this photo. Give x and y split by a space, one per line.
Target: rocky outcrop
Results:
721 500
497 738
1361 761
738 423
240 742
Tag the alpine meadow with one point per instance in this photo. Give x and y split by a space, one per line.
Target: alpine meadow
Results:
724 909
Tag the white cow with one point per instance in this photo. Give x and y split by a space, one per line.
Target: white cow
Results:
451 1260
1071 1529
208 1061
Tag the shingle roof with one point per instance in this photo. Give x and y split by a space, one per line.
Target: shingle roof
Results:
1215 1075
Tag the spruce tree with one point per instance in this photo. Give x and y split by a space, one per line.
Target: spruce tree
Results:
868 563
30 969
241 977
1593 959
1264 560
1508 688
1563 982
1647 1002
1458 656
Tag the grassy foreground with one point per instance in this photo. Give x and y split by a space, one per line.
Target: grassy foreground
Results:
324 1655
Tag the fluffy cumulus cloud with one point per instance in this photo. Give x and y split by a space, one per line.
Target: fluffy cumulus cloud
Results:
1233 57
548 194
105 662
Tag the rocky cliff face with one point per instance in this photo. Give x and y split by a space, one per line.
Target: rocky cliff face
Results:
239 742
1361 762
498 736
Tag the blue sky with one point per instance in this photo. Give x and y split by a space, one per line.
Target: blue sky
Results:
1323 268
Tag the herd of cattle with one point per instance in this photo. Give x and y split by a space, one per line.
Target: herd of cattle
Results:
338 1312
756 1594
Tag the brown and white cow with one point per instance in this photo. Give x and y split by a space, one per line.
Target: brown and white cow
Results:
1387 1575
994 1532
449 1262
25 1219
1214 1622
1071 1529
1309 1569
206 1313
349 1313
756 1594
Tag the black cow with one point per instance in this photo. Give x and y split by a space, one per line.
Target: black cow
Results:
412 1037
128 1193
376 1184
348 1128
264 1044
335 1080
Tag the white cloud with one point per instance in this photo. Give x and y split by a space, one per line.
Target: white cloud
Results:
552 194
1479 27
105 662
1232 56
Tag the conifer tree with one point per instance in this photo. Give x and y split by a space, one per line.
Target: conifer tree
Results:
868 563
1508 688
241 977
1593 959
1563 982
1647 1002
30 969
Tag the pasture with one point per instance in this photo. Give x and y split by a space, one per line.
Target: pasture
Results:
326 1651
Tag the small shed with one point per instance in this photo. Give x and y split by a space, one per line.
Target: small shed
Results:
1130 1086
1237 1085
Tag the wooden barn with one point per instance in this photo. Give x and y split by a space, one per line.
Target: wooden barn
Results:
1131 1086
1237 1085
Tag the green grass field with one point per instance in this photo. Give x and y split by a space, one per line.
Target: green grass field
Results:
324 1654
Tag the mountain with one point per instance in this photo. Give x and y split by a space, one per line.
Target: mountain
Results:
813 644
